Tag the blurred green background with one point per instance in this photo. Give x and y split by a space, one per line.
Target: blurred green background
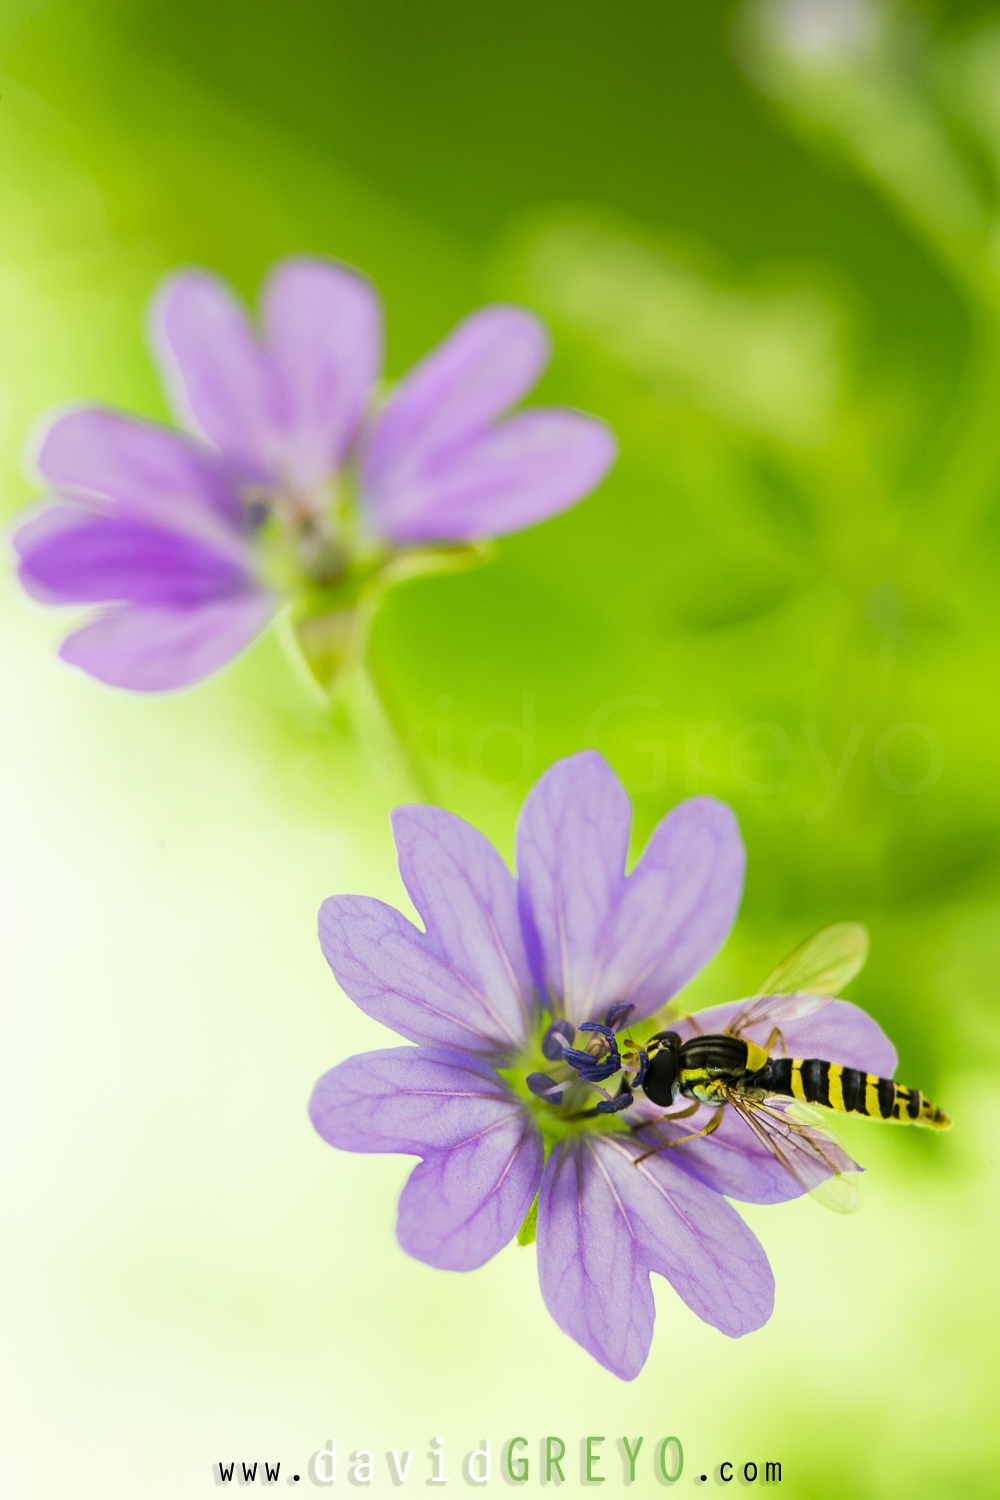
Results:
767 246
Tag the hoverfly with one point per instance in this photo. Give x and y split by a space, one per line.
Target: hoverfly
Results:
772 1093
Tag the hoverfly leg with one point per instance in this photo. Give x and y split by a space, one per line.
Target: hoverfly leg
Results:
681 1140
682 1114
776 1036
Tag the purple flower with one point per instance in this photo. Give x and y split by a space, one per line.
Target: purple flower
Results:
293 480
492 990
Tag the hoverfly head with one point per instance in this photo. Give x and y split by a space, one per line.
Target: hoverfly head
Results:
660 1081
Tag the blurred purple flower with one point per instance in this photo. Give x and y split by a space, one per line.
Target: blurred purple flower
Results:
477 991
293 481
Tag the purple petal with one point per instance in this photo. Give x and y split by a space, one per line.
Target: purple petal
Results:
604 1223
216 371
324 343
733 1160
71 556
693 1238
572 840
484 365
155 650
603 937
838 1032
467 900
483 1155
409 1099
399 976
590 1265
113 462
676 909
538 463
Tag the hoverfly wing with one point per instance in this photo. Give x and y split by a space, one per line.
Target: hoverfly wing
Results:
775 1010
805 1114
823 964
842 1193
812 974
810 1154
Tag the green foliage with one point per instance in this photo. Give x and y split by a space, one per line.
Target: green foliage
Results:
778 277
796 554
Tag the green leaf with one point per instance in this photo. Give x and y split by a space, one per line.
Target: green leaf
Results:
526 1233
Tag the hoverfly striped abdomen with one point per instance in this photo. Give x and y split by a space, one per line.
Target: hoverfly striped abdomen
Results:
848 1091
729 1071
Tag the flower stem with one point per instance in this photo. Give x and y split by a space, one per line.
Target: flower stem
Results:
392 755
968 480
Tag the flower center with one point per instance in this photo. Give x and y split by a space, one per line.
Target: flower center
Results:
308 534
573 1089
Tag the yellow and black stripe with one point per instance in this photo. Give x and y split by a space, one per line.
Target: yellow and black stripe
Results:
849 1091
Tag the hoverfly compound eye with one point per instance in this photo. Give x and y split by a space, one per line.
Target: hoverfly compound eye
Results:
660 1082
661 1040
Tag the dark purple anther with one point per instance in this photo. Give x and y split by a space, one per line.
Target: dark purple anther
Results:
593 1069
606 1107
544 1087
558 1035
619 1014
602 1030
612 1106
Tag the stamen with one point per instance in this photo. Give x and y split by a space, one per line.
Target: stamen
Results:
605 1031
557 1035
593 1069
546 1088
619 1014
612 1106
606 1107
640 1076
